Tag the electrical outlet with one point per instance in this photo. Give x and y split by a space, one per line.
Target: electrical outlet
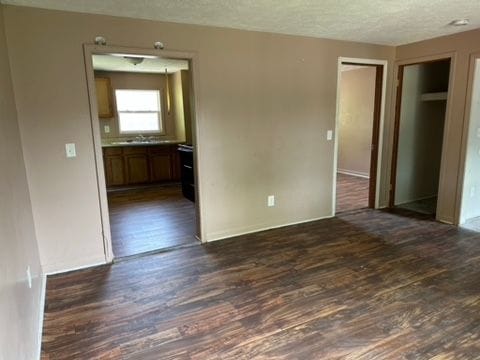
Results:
29 277
329 135
270 200
70 150
478 132
106 129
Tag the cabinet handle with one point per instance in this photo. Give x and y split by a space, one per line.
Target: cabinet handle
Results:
188 167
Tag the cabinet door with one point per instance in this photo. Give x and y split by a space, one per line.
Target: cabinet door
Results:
114 170
176 166
160 167
137 169
104 97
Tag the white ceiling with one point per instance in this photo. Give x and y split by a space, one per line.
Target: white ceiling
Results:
119 63
389 22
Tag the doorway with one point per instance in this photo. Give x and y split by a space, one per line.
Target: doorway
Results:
360 89
418 138
143 121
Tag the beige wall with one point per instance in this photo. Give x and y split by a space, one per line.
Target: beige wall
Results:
124 80
357 97
265 101
420 132
461 46
19 305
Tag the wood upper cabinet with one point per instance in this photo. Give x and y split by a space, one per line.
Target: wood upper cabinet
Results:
104 97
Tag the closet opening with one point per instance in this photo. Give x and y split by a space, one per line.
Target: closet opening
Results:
421 105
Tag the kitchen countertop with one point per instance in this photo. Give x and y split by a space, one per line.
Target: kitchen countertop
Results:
141 143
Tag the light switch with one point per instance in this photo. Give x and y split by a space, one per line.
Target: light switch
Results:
106 128
270 200
70 150
329 134
478 133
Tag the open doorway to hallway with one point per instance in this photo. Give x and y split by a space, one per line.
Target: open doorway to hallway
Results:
144 106
360 93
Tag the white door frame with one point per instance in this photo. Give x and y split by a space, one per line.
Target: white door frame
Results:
360 61
192 57
473 63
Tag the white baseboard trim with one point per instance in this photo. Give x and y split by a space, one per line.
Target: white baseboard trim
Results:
254 229
43 291
354 173
53 270
76 268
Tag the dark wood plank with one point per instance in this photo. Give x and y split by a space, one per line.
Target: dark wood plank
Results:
364 285
352 192
150 218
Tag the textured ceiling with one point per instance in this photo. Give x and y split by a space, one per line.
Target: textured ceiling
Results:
119 63
389 22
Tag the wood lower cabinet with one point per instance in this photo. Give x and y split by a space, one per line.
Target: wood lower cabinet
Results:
160 168
161 164
114 170
137 169
131 165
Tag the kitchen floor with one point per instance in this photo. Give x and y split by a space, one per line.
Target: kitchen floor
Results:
352 192
146 219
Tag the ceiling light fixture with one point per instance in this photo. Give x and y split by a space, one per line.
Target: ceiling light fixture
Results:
135 56
135 60
459 22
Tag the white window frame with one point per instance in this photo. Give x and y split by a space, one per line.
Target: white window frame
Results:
161 124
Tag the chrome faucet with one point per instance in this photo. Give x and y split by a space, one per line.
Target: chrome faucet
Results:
140 138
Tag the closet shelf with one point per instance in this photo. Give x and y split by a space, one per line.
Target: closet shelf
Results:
435 96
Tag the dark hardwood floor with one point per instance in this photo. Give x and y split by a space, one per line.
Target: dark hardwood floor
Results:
364 285
352 192
150 218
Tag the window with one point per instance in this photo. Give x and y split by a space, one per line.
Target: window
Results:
139 111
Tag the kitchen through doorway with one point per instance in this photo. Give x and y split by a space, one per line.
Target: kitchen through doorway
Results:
145 111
